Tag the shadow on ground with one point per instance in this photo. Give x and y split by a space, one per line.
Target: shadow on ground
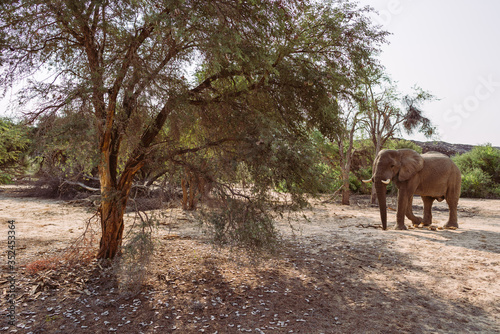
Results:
326 287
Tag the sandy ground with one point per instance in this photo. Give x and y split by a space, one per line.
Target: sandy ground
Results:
336 273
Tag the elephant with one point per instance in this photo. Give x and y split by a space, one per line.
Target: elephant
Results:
432 175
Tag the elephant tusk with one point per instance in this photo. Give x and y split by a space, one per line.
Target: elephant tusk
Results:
386 181
367 181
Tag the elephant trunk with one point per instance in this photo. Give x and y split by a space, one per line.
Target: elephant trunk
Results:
381 189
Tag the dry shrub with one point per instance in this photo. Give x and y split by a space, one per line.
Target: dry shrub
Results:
83 249
43 264
131 266
242 223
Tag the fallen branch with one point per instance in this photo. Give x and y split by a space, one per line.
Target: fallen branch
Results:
368 226
84 186
80 185
332 196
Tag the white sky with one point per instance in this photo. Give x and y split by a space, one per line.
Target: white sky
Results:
450 48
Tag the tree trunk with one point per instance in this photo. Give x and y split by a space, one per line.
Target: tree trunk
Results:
346 195
111 212
345 188
114 197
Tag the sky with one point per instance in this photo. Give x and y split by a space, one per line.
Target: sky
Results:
451 49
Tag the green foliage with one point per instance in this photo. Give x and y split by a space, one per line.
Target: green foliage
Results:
480 172
327 163
477 183
355 184
14 147
396 144
330 169
268 73
331 177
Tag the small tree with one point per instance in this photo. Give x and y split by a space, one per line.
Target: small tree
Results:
350 116
387 114
14 147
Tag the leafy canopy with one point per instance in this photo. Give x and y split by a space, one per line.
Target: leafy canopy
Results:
14 147
267 71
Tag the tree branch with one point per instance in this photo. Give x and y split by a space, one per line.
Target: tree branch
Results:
207 145
80 185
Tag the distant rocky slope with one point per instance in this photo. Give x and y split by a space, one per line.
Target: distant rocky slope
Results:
443 147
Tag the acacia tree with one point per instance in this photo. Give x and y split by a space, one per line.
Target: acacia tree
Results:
345 143
351 114
338 150
122 63
388 114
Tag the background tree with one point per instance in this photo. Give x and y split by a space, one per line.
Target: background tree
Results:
345 144
388 114
14 147
338 151
61 167
122 64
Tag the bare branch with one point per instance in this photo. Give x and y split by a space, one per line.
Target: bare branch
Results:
80 185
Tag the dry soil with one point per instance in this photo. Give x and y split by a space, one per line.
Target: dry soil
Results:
336 272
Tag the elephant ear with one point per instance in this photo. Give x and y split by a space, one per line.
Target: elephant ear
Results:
411 163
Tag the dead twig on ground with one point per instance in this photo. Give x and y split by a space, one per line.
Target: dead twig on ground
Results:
368 226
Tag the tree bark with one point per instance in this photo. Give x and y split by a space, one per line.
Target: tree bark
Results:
111 211
346 157
345 190
114 197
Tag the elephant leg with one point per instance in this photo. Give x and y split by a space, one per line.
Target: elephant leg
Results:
427 209
409 212
453 218
402 205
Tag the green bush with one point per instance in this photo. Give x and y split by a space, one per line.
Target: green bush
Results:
480 172
476 183
14 146
396 144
